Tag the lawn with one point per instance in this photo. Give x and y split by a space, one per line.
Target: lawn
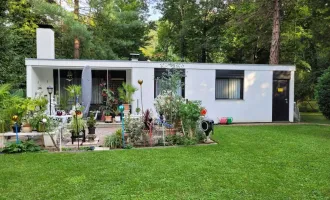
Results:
314 117
250 162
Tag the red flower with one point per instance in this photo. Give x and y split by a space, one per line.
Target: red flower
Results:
203 112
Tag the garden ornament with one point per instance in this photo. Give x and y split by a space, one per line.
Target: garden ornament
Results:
15 119
140 83
121 109
207 125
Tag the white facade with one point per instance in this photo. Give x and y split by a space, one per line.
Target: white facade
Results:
256 105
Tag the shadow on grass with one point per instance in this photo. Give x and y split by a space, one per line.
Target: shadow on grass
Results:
314 118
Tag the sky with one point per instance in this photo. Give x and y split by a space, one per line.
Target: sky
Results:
154 14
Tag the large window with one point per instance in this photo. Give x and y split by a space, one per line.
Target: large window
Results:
159 72
229 84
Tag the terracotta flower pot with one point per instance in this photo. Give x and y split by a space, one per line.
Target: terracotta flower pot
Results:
108 119
26 129
126 106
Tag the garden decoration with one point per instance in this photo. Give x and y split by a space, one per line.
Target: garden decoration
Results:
121 109
148 124
161 122
86 83
140 83
207 126
15 119
77 129
226 120
125 93
50 91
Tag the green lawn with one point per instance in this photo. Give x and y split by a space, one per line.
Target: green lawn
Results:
250 162
312 117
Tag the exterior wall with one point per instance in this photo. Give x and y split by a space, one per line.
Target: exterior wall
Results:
38 77
31 81
255 107
199 85
291 98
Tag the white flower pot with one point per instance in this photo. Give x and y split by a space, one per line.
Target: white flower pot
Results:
117 119
48 141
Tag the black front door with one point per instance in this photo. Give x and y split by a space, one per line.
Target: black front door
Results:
281 100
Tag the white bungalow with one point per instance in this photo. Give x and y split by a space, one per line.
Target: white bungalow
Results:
246 92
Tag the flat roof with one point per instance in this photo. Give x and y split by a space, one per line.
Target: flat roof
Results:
125 64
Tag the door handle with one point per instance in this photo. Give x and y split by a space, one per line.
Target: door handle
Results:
286 100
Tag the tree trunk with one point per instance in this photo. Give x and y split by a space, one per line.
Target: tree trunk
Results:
76 48
275 44
76 39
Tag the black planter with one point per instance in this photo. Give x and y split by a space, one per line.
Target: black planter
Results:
18 129
91 130
75 136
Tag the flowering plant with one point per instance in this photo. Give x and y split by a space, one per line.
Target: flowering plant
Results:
190 113
203 112
110 99
168 104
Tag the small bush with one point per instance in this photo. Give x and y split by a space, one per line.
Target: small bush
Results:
114 140
308 106
177 139
323 93
174 139
22 146
200 135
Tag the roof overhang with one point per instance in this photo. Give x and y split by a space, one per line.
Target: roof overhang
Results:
115 64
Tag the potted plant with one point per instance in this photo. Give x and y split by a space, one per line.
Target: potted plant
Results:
26 127
126 95
108 116
117 115
77 126
91 125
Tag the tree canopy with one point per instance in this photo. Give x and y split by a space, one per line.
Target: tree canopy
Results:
215 31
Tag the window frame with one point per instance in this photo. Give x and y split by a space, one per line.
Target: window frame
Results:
161 71
230 74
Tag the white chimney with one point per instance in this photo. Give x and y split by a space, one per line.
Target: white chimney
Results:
45 42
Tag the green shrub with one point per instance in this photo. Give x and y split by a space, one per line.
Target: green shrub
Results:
323 93
22 146
114 140
308 106
174 139
189 141
177 139
200 135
